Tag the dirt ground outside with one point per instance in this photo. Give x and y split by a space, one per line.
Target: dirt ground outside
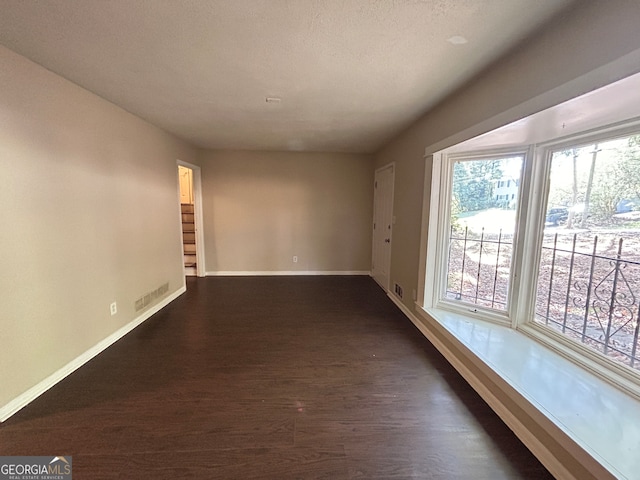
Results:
588 281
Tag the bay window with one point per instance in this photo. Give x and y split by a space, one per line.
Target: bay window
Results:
545 238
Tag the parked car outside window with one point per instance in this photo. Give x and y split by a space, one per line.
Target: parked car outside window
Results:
556 215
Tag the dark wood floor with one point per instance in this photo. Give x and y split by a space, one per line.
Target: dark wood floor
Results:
280 377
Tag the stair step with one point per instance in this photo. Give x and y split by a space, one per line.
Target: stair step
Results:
188 237
186 208
188 228
188 218
190 249
189 260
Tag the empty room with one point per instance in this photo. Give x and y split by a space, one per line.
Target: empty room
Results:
338 239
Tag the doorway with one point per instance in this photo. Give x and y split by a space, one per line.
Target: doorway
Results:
382 225
191 219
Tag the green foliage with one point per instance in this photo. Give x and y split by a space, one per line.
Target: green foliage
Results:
561 193
629 168
617 178
473 183
607 192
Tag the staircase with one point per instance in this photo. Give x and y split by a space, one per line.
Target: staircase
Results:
189 238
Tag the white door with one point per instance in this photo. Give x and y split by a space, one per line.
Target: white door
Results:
191 217
382 225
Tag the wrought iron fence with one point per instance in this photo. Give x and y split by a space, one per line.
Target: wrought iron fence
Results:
478 268
591 297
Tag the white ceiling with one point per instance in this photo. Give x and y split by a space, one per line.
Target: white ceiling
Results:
350 73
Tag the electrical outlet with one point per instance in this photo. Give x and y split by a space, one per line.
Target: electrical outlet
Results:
114 308
295 259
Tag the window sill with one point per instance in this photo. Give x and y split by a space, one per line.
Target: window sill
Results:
578 425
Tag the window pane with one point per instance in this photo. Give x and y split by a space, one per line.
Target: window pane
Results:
483 221
589 279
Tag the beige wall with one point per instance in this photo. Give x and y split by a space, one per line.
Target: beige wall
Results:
90 194
89 214
262 208
595 44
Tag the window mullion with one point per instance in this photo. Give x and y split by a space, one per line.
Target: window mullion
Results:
433 258
443 226
536 187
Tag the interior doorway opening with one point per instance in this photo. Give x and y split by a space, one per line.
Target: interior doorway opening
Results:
191 219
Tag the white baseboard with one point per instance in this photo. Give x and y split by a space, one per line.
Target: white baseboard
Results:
237 273
526 436
34 392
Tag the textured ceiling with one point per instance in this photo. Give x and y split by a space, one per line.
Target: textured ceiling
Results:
350 73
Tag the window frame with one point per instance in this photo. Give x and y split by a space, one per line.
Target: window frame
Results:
528 237
440 256
594 361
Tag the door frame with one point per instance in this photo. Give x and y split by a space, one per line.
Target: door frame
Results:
392 166
198 217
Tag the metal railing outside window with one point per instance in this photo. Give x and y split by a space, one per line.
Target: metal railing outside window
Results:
478 267
588 286
589 290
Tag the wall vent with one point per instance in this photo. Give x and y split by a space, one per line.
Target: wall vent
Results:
151 297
